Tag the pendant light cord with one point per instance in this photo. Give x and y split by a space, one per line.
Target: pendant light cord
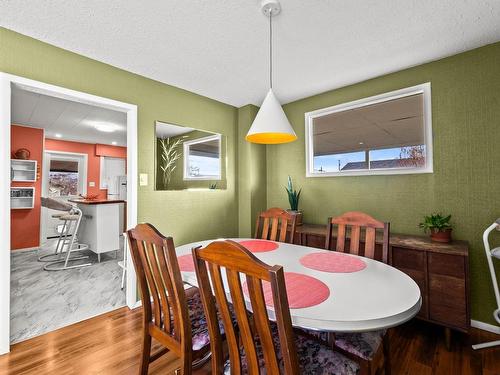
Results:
271 49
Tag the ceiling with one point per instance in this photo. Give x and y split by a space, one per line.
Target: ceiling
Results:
164 130
219 48
71 120
385 125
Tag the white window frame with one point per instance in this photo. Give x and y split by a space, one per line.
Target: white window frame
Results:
186 146
424 89
80 158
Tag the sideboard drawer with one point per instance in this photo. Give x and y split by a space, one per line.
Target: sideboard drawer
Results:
419 278
407 258
446 264
314 240
447 295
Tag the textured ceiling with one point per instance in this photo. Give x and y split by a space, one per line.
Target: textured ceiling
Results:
71 120
218 48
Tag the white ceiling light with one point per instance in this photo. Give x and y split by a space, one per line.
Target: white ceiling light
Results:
57 135
105 127
113 143
271 125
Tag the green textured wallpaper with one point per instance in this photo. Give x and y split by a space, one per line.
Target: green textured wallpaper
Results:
466 126
186 215
251 174
466 178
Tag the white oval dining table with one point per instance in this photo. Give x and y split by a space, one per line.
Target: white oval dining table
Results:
377 297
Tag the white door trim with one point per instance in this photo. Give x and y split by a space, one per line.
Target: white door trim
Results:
6 82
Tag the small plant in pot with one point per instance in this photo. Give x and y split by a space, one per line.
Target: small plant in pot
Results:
439 226
293 199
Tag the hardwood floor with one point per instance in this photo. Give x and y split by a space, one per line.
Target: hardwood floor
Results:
110 344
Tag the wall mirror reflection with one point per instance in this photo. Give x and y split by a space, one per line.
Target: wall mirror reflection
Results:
188 158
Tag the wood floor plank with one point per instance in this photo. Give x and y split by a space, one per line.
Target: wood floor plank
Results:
110 344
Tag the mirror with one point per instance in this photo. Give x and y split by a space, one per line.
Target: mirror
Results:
188 158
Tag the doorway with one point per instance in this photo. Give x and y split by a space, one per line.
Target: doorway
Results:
64 176
7 84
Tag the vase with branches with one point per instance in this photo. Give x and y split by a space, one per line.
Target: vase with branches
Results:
170 153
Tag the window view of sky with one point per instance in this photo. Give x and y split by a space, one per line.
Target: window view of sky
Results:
202 166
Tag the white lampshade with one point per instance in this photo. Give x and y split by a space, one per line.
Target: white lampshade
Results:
271 125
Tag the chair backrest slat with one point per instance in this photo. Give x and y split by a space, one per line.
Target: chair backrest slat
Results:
220 297
341 237
370 243
160 280
275 224
246 334
240 263
354 240
262 322
356 222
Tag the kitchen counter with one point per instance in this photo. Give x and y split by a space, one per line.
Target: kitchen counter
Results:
102 224
96 201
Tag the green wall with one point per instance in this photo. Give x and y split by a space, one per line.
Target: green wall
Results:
466 126
466 178
251 174
186 215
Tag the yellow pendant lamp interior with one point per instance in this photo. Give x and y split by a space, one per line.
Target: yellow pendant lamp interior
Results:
271 126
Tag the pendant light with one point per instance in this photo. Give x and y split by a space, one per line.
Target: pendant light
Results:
271 125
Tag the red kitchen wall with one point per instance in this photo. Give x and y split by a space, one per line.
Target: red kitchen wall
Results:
111 151
94 161
25 224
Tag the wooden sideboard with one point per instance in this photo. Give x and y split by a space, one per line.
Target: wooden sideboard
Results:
441 270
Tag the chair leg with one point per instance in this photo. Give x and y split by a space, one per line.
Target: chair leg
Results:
186 364
146 352
387 354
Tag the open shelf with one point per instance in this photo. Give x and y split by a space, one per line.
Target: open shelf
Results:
22 198
23 170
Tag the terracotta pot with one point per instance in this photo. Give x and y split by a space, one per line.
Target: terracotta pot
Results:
298 216
441 236
22 153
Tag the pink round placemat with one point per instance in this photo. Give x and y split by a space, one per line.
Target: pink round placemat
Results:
260 246
302 291
332 262
186 263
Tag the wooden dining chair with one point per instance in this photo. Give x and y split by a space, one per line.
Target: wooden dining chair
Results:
275 224
350 227
176 321
265 346
356 233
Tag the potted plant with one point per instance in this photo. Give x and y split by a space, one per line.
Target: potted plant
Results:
293 199
439 226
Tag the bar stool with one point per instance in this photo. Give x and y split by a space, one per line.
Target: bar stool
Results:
67 242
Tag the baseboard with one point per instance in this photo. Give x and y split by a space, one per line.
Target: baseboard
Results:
485 326
137 304
25 249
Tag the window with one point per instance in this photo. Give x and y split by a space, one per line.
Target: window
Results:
63 178
202 160
384 134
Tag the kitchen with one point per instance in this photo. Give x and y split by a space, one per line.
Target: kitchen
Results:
68 209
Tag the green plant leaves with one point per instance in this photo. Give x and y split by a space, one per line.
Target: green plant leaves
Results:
293 195
436 221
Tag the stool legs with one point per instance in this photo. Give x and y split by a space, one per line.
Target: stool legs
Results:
69 244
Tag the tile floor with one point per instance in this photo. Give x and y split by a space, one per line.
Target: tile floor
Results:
42 301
